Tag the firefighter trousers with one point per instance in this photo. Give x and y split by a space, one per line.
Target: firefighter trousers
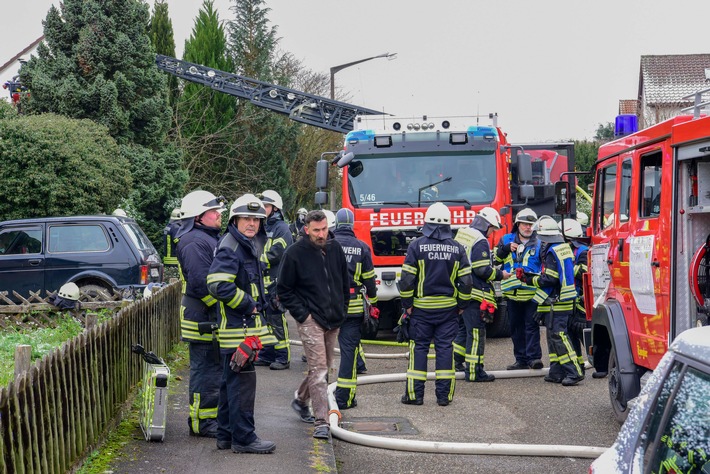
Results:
563 359
439 326
281 351
349 341
470 342
205 376
235 413
524 331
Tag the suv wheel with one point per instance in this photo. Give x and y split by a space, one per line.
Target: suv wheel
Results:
90 292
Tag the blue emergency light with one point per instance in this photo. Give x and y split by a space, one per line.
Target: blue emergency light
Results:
626 124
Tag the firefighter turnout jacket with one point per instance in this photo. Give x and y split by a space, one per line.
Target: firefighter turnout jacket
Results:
195 251
235 280
526 257
436 273
483 273
278 237
360 269
556 280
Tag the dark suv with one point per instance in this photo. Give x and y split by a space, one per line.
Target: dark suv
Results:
95 252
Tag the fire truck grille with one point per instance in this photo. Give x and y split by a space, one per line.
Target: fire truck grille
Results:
392 243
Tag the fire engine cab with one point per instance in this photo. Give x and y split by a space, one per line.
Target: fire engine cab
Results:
648 263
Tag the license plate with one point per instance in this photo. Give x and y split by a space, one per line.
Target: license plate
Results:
154 272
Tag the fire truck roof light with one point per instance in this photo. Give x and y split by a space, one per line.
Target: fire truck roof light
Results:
625 125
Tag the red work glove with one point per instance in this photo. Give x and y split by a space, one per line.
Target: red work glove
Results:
254 342
374 312
520 274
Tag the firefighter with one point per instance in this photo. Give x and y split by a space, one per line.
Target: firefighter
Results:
362 276
278 237
572 231
235 280
556 295
169 232
197 235
435 288
521 249
296 227
471 339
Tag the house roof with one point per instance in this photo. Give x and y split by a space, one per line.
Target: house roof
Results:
665 79
628 106
13 60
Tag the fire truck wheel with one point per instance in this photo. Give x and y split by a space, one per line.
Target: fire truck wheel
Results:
619 403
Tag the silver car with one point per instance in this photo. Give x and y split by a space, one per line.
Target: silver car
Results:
668 427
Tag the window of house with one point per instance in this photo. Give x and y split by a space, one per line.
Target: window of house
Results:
650 197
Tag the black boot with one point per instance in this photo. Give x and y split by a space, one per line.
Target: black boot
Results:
481 375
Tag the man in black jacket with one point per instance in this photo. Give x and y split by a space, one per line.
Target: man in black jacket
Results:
314 287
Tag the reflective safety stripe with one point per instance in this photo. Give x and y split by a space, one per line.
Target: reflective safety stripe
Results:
551 273
346 383
559 306
237 299
416 375
435 302
197 413
445 374
209 300
459 349
189 331
409 269
571 355
217 277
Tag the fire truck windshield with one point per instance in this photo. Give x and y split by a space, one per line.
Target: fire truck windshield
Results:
404 180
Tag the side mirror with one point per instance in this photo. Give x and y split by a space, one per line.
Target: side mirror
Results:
322 174
562 198
321 198
345 159
526 191
504 211
524 168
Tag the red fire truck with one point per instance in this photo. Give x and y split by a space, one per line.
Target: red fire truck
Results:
397 167
648 263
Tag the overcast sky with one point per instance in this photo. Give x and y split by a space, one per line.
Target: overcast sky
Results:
551 69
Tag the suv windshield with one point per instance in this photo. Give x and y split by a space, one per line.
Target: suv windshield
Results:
404 180
137 236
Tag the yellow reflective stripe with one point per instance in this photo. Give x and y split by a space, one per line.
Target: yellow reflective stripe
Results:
551 273
416 374
189 331
346 383
480 263
406 294
409 269
422 276
452 278
459 349
464 271
370 274
373 300
237 299
445 374
435 302
568 293
464 297
510 284
208 300
357 275
215 277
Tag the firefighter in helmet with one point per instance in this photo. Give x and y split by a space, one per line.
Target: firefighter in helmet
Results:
169 233
362 284
296 227
556 295
435 288
471 339
521 249
235 280
572 231
196 238
278 237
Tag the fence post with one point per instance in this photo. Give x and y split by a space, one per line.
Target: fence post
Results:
90 321
23 356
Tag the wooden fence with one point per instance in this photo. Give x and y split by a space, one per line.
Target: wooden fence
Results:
61 407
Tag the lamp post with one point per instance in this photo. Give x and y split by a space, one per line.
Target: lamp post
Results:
335 69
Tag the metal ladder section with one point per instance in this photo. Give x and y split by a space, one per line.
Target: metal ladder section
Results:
299 106
698 103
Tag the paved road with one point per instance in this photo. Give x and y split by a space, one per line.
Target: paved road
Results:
526 411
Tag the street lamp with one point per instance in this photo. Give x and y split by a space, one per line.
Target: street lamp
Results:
335 69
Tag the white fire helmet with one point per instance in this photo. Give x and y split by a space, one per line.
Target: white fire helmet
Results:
491 216
272 197
119 213
547 230
330 218
438 213
571 228
69 291
199 202
247 205
527 216
582 218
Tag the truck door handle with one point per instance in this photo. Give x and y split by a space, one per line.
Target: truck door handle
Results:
34 262
610 261
656 263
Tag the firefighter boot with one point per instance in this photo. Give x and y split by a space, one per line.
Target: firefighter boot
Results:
481 375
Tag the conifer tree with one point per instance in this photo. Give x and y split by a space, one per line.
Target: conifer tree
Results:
163 39
97 62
